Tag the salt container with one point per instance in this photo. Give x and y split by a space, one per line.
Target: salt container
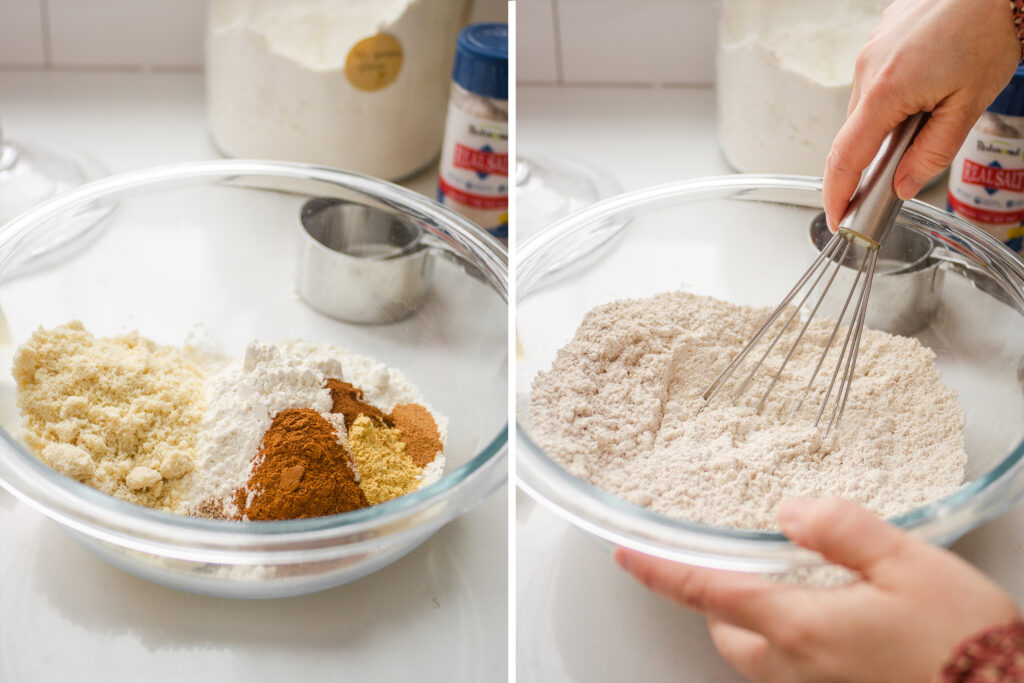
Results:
473 178
986 178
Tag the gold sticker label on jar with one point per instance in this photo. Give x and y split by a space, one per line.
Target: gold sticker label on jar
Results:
374 62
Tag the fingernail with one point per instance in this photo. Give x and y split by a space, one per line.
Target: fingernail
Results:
907 187
790 514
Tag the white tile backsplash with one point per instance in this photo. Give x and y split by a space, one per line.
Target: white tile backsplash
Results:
640 42
21 33
536 56
103 34
637 41
488 10
115 33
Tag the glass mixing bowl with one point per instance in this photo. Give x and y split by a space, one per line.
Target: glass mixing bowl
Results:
214 243
747 239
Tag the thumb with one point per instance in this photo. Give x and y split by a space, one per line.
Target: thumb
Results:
933 148
845 533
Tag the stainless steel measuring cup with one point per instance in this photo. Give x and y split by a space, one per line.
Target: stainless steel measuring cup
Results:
907 286
912 267
360 264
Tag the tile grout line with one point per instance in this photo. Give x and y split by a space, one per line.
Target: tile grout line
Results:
44 16
635 85
558 41
102 68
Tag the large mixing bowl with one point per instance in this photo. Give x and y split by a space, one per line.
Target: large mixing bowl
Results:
746 239
214 244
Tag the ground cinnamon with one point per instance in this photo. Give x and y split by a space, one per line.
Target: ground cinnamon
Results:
302 471
348 400
419 432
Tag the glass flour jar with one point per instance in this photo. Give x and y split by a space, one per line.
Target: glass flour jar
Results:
356 84
784 76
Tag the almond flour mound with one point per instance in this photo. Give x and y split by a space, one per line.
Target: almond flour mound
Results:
120 414
619 409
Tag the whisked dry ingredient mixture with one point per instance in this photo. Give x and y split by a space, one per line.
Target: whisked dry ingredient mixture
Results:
288 431
620 409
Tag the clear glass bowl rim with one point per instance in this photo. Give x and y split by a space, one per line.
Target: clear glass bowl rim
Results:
623 523
108 519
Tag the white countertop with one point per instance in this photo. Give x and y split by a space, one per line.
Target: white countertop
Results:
439 614
579 617
65 615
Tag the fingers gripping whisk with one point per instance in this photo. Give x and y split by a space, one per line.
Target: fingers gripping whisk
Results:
811 289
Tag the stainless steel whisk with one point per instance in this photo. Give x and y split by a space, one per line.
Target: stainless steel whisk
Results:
872 211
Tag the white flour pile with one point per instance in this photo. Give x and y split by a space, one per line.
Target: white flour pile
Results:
241 401
243 398
619 409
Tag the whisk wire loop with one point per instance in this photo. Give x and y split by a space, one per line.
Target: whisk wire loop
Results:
821 270
810 316
716 386
861 301
829 341
829 262
872 257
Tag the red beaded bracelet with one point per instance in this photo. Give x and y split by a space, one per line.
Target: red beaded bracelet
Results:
992 656
1017 9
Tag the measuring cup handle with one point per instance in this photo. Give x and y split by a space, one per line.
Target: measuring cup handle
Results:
983 279
437 249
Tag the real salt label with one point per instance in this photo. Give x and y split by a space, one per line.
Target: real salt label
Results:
474 158
986 179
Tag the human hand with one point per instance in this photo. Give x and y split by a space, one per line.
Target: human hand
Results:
914 604
949 57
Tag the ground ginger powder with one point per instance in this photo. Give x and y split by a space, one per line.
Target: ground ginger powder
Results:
119 414
385 471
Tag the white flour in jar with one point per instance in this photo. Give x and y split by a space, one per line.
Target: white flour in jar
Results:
279 83
619 409
783 90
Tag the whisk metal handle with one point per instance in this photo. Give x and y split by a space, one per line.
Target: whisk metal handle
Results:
874 204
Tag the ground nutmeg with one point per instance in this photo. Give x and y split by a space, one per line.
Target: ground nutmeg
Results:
416 424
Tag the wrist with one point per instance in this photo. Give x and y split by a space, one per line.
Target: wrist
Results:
996 655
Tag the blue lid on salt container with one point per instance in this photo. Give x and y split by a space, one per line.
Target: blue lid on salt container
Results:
481 60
